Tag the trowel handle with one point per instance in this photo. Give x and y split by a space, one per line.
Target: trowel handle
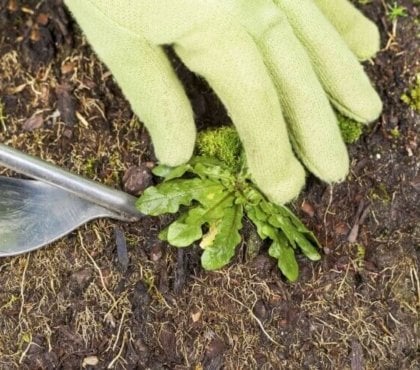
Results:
114 200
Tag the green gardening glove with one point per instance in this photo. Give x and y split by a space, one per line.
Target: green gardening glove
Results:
276 65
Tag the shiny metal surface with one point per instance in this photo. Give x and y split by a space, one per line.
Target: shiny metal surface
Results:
33 214
99 194
36 213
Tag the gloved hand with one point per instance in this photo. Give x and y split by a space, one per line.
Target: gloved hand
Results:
271 62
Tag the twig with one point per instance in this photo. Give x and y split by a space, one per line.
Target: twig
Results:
119 331
98 269
416 283
327 210
22 288
360 218
115 359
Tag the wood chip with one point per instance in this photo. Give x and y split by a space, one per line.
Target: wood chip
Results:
361 214
66 104
122 252
356 356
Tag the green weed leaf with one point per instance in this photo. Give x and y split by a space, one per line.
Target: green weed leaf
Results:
180 234
170 173
169 196
224 239
285 256
218 191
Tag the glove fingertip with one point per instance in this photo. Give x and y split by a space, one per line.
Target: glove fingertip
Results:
176 152
282 188
368 46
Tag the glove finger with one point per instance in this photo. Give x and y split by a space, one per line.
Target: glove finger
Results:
337 68
146 79
231 62
360 34
312 123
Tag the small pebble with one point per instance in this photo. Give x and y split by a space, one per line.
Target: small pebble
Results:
90 361
136 179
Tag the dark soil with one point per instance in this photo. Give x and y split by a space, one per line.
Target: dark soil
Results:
83 302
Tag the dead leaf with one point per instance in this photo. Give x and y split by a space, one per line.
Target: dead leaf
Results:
15 89
33 123
66 104
195 316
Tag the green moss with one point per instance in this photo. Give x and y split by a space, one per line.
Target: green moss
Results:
350 129
395 133
380 193
89 167
412 97
222 143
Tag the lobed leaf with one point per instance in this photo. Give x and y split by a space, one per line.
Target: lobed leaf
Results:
225 239
214 209
167 197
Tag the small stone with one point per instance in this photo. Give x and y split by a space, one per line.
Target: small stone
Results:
260 310
42 19
308 208
67 67
136 179
90 361
156 253
342 229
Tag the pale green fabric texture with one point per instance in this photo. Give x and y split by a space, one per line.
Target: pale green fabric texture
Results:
275 64
360 34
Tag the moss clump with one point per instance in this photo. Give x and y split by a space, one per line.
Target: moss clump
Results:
381 193
412 97
395 133
223 144
350 129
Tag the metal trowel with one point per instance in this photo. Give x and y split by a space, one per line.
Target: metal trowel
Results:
36 213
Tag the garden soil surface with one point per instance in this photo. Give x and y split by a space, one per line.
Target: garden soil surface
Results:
79 303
